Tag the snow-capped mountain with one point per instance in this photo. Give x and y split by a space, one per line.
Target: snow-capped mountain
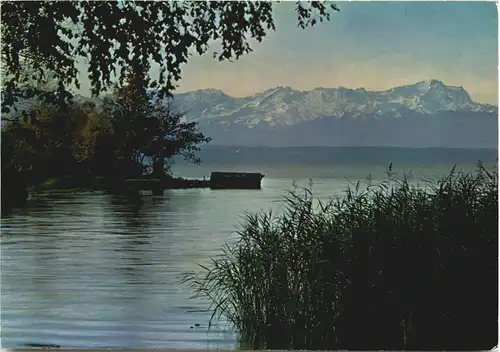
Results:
284 106
424 114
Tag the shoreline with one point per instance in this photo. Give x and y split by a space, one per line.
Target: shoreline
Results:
217 180
126 184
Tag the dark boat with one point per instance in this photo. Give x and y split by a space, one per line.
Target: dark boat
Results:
235 180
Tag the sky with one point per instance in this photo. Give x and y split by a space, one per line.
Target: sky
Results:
374 45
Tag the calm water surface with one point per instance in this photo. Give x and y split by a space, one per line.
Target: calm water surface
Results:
93 270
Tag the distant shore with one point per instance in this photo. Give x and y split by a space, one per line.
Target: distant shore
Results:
316 155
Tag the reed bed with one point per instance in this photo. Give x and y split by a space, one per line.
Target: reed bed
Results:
392 266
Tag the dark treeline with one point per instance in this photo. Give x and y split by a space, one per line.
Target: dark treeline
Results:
127 137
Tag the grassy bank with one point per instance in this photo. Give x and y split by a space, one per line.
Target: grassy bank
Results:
383 268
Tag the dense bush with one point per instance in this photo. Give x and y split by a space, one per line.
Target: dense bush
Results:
390 267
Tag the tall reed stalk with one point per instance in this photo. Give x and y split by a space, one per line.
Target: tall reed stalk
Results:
388 267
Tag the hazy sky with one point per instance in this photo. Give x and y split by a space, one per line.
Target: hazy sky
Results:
375 45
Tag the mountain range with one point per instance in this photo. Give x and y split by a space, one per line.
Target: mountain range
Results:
284 106
424 114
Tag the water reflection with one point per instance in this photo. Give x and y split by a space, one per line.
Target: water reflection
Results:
134 247
93 270
97 270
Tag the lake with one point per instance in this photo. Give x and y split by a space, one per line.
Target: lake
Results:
93 270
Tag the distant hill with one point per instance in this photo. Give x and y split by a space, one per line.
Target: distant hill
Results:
342 155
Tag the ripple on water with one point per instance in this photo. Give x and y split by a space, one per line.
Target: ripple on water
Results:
91 270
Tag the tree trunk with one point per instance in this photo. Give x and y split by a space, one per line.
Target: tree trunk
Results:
158 166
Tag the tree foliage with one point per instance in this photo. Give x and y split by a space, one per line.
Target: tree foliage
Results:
144 128
115 36
42 143
114 139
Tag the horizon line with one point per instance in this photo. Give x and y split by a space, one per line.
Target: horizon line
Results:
338 147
